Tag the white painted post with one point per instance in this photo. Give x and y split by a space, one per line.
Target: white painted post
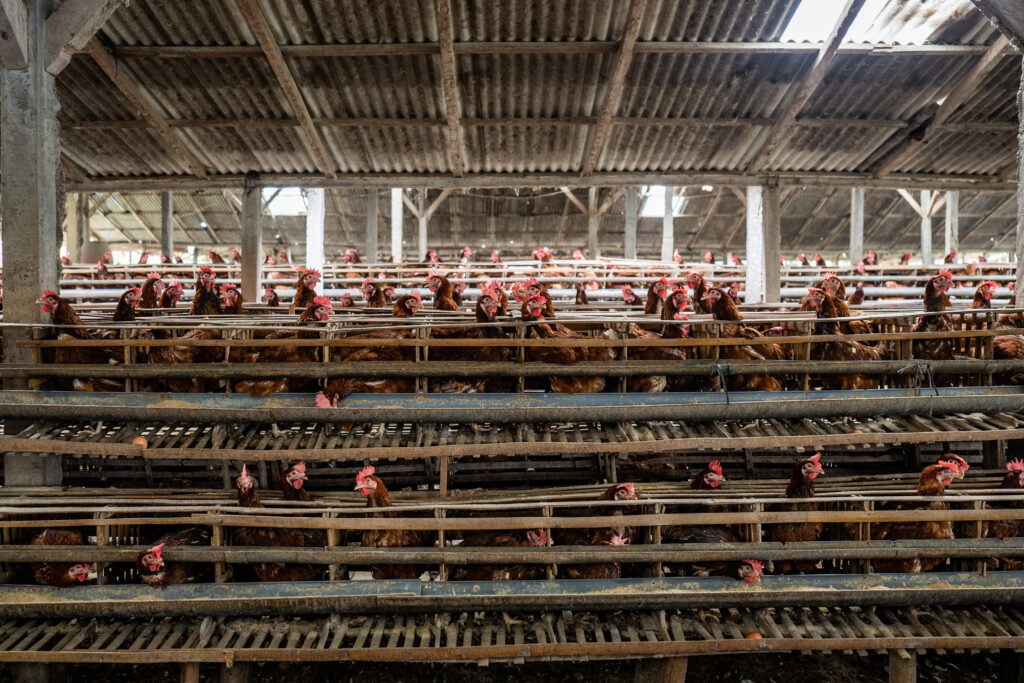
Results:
396 224
315 212
926 228
422 222
632 210
952 242
772 239
1020 193
252 244
167 224
856 225
593 220
72 226
755 289
668 230
372 227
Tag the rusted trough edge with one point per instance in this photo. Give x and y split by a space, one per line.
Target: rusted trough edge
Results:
9 444
129 601
535 651
512 408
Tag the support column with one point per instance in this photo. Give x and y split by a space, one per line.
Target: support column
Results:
668 231
252 244
763 244
926 228
1020 192
422 221
82 215
631 216
396 224
593 223
856 225
167 227
72 241
952 242
315 211
372 229
30 172
902 669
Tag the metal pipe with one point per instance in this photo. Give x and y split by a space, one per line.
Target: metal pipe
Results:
293 598
505 408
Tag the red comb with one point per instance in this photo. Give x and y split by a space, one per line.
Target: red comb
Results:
49 292
961 463
989 283
207 269
368 281
415 294
1015 465
365 473
313 271
715 467
816 458
174 283
945 273
323 301
828 276
158 550
245 472
630 488
153 275
227 287
434 273
300 467
756 565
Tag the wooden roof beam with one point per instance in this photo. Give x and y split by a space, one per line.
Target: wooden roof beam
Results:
984 218
954 98
138 99
71 26
14 34
597 136
826 54
272 51
199 212
137 216
450 88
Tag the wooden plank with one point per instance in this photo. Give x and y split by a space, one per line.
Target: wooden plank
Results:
450 88
272 51
71 26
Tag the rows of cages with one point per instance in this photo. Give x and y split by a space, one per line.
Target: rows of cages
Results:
854 525
438 350
883 286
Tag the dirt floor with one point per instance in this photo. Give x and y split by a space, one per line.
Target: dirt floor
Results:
787 668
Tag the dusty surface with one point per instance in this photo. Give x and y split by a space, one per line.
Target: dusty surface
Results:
788 668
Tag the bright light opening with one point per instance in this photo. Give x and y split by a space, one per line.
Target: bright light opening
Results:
288 202
654 204
878 21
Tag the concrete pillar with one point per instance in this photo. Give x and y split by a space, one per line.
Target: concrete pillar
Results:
1020 193
372 228
252 244
422 224
167 226
30 189
396 224
952 241
926 228
316 205
668 231
593 222
631 216
856 225
763 244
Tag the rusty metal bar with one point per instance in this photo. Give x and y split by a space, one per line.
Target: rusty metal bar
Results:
506 408
291 598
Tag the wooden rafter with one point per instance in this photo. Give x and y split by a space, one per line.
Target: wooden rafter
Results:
138 99
199 212
1008 17
534 47
137 216
712 205
572 198
272 51
450 88
807 85
95 205
954 98
339 208
881 218
984 218
598 134
71 26
801 232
